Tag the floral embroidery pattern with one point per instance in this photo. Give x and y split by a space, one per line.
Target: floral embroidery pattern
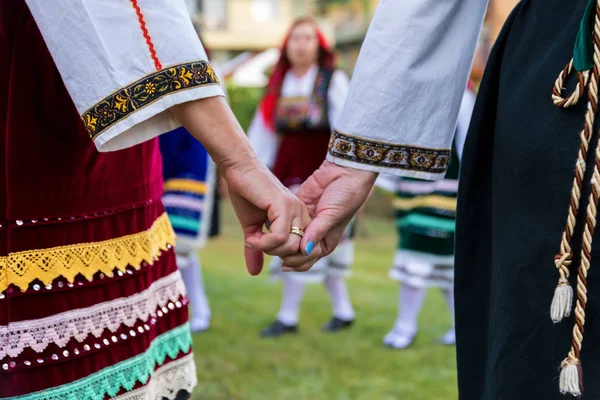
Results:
127 100
388 155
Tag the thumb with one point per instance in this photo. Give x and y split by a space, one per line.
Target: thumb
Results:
254 257
254 260
315 232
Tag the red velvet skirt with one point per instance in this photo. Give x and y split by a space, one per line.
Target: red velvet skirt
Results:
299 156
91 302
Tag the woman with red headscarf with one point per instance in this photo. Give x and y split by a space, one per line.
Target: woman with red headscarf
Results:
290 133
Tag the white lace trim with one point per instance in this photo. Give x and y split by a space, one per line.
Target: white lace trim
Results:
167 381
78 324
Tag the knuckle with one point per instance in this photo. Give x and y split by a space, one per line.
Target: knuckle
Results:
279 238
304 268
291 248
291 262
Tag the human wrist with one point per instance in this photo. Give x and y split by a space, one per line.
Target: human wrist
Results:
239 162
350 172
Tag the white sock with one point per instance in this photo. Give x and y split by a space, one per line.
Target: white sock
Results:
191 271
449 295
340 300
410 303
293 291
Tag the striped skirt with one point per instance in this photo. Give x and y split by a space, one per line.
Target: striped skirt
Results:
425 221
190 181
98 310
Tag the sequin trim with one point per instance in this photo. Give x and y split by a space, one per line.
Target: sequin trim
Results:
388 155
22 268
124 375
24 223
108 339
127 100
79 324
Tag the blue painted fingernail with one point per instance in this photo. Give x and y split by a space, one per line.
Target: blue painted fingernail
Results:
268 224
309 247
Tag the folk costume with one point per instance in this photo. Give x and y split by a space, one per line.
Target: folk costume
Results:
290 133
92 305
526 294
190 180
426 225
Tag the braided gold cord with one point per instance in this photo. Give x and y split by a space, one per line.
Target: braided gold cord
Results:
573 358
559 86
564 258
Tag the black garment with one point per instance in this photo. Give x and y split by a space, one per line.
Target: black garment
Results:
514 193
215 218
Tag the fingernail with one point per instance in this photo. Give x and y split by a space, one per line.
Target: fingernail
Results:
248 245
268 224
287 269
309 247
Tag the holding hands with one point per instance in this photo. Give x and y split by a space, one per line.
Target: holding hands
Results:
303 227
322 208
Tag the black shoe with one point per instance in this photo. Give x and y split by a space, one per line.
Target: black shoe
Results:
278 328
337 324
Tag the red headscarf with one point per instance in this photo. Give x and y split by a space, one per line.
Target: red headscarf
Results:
273 90
471 86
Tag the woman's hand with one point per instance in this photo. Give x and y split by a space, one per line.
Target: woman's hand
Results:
256 195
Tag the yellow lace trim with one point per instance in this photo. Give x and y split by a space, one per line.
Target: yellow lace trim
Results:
87 259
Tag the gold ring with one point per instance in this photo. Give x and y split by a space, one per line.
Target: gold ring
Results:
297 231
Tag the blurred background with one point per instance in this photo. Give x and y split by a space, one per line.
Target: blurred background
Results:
233 362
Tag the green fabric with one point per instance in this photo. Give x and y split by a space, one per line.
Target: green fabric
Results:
426 244
583 53
124 375
428 222
190 224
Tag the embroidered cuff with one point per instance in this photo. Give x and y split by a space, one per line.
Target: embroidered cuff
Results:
144 99
388 158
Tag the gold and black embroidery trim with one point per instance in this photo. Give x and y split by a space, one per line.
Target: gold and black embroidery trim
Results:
388 155
127 100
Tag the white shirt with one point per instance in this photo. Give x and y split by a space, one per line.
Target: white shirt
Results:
264 139
390 182
405 94
106 63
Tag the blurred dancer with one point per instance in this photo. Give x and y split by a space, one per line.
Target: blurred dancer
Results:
189 175
290 133
426 213
190 199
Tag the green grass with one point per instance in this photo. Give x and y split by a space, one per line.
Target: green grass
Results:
234 363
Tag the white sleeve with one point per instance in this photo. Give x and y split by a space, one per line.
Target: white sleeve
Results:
336 95
125 63
387 182
263 140
464 120
401 111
